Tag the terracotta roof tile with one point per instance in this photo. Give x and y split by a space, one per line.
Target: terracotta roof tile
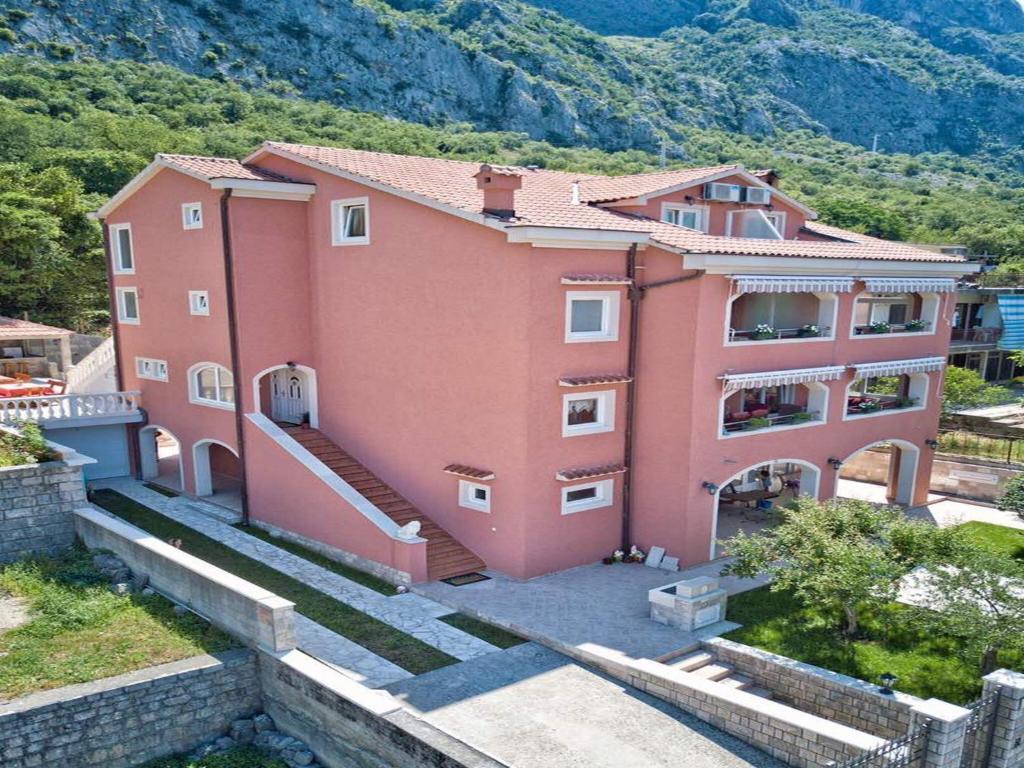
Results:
597 378
13 328
607 188
583 473
472 473
221 168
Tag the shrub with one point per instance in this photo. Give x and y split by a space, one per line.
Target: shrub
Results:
759 422
24 446
1012 499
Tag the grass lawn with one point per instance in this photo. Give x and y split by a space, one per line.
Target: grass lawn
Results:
383 639
353 574
240 757
494 635
79 631
926 665
161 490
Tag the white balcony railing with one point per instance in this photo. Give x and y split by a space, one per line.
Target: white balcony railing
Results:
49 408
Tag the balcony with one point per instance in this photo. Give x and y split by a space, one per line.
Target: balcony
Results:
882 327
886 313
775 400
890 387
862 405
780 308
785 414
972 336
72 410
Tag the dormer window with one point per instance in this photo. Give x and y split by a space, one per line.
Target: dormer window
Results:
689 216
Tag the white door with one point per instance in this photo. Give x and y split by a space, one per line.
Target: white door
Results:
288 397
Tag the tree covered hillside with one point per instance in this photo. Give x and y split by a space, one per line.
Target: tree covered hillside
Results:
73 133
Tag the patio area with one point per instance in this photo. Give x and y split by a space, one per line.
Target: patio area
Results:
33 350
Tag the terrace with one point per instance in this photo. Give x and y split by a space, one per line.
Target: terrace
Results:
772 400
782 309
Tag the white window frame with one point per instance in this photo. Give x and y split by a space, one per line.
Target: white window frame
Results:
115 248
603 498
193 386
605 413
194 308
779 215
467 496
186 218
703 211
338 225
609 316
121 315
149 368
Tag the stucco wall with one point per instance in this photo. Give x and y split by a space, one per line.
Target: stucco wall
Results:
36 503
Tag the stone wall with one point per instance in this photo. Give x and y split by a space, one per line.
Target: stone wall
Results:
36 501
827 694
126 720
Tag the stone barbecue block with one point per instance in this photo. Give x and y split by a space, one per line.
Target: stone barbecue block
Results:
689 604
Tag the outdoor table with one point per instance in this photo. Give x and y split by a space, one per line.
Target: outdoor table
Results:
747 498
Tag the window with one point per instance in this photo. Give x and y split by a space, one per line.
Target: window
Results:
128 305
199 302
763 225
691 216
192 215
211 384
121 250
474 496
591 316
576 498
147 368
588 413
350 221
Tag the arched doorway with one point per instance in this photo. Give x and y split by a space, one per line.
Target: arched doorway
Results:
748 500
160 458
884 471
218 473
287 394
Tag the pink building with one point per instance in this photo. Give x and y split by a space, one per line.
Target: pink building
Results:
429 367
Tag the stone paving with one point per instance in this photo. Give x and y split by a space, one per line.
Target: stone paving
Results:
412 614
944 511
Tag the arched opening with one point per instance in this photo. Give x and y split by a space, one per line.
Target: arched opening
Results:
160 458
286 394
884 472
218 473
749 500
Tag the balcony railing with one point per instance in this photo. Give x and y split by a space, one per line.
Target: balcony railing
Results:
867 404
752 423
976 335
880 329
775 334
50 408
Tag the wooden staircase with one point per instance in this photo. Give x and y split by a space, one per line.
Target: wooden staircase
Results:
446 557
704 664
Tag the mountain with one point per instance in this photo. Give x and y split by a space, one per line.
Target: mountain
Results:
752 66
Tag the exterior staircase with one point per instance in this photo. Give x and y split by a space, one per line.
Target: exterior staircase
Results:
446 557
704 664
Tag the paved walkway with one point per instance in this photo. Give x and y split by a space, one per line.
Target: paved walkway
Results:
531 707
410 613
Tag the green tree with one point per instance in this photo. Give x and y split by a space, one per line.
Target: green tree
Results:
841 555
964 388
862 216
1012 499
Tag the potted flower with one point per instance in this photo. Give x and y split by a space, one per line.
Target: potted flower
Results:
869 406
808 331
758 422
636 555
914 325
802 416
762 331
879 327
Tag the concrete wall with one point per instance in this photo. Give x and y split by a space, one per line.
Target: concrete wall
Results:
126 720
819 691
35 508
247 611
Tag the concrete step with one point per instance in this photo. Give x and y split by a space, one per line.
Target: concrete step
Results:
737 681
692 661
715 671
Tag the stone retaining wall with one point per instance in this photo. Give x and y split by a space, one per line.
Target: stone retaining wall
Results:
827 694
36 501
126 720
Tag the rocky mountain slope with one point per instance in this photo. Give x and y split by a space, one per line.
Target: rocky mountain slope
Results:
752 66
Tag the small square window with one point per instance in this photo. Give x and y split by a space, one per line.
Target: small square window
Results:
199 302
474 496
350 221
591 316
588 413
192 215
121 250
576 498
128 305
147 368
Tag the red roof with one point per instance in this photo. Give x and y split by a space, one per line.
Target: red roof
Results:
473 473
547 200
13 328
597 378
582 473
210 168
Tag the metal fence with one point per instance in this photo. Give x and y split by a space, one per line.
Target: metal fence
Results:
980 732
904 752
1003 448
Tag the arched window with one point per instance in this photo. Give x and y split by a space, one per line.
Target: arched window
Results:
212 384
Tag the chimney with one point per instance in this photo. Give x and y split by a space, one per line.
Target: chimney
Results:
499 184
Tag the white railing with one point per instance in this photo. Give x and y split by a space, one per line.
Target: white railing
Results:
65 407
752 334
77 376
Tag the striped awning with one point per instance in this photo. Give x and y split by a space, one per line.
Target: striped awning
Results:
738 381
897 367
1011 307
791 284
910 284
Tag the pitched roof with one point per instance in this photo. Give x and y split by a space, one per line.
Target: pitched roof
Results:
13 328
547 200
608 188
210 168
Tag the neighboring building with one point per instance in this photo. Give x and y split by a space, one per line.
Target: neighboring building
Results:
538 366
988 326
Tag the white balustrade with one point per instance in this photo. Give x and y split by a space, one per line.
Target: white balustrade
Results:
47 408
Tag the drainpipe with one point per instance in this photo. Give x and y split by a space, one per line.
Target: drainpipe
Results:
636 295
132 430
229 287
